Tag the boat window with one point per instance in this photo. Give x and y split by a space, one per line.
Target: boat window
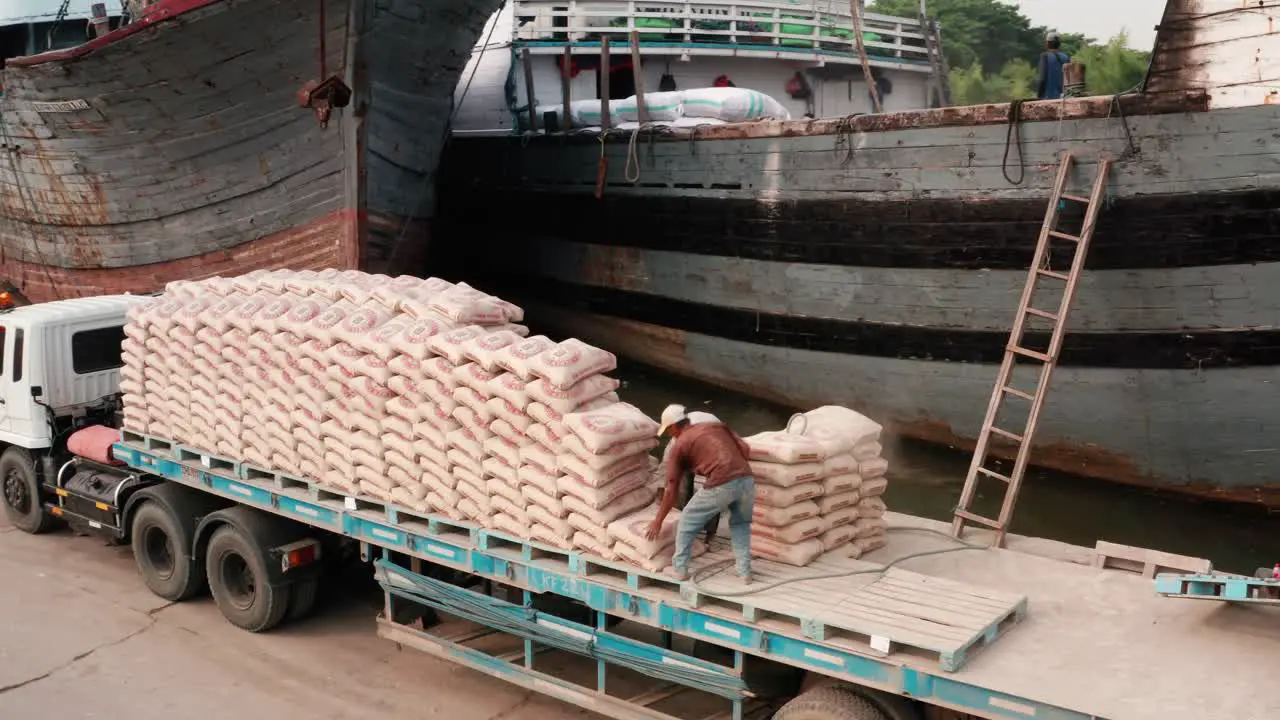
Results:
97 350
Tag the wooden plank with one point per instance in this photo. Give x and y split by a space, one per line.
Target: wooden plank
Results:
528 90
929 583
952 594
605 119
564 89
1147 562
641 106
961 616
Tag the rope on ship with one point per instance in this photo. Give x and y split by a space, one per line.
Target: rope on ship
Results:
1014 137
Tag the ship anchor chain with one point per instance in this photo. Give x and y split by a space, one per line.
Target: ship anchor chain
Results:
328 93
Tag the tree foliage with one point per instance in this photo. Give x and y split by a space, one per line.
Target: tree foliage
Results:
993 50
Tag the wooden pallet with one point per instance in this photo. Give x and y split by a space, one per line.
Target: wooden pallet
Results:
1230 588
1147 562
150 443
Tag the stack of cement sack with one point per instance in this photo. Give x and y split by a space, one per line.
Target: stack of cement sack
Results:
818 487
419 392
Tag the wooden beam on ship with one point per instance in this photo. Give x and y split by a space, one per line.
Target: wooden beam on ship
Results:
641 106
528 89
605 120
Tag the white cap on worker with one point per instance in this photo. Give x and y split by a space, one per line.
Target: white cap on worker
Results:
672 415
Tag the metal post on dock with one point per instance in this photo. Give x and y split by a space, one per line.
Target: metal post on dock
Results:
528 90
641 106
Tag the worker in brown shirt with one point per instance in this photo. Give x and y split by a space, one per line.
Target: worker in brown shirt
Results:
716 453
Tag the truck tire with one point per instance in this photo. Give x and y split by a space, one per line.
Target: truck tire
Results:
20 492
160 548
830 703
302 598
240 582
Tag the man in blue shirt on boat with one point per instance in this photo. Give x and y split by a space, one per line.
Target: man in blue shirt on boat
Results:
1049 73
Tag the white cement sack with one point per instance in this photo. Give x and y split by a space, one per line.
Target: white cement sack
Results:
784 447
412 339
839 464
570 362
781 497
602 550
401 469
510 525
598 532
782 475
862 546
631 530
873 487
440 370
517 358
473 376
778 517
538 514
660 105
464 306
611 455
837 428
792 533
872 507
627 553
368 489
483 349
843 516
867 450
597 498
732 104
404 408
359 324
515 510
472 411
570 399
314 350
797 555
429 433
622 505
837 537
872 469
449 345
868 527
511 388
535 476
546 436
447 505
503 449
502 408
460 461
599 477
415 498
505 430
471 485
499 488
838 484
601 429
831 503
470 441
535 496
550 535
540 458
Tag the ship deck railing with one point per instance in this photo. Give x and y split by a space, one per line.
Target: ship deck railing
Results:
821 28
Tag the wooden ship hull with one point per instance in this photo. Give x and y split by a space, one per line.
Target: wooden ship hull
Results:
877 260
178 146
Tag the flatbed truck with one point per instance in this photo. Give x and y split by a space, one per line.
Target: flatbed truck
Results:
620 641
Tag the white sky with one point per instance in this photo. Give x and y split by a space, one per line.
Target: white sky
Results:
1100 19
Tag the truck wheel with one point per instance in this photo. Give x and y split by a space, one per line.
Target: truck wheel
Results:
21 492
302 598
240 585
160 549
829 703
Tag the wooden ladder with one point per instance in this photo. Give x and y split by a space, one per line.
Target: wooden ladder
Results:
1016 350
939 70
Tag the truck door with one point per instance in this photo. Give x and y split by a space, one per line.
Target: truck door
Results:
15 398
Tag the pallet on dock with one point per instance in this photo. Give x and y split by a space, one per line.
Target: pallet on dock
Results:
1231 588
1147 562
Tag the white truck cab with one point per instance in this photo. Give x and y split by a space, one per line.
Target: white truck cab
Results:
58 360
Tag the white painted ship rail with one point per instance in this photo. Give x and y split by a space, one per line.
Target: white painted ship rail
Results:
712 27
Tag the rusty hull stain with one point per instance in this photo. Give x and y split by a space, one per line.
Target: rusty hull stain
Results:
665 348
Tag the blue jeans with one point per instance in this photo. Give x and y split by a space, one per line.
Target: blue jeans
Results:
738 497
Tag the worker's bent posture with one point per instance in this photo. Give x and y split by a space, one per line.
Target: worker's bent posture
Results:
716 453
